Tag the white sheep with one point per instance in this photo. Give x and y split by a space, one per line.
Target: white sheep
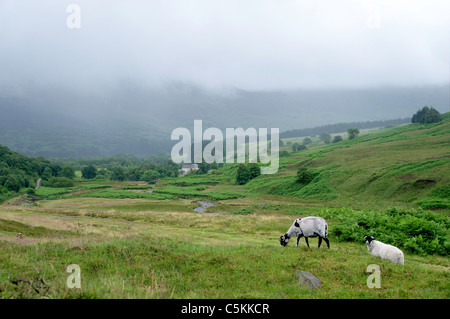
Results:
384 251
307 227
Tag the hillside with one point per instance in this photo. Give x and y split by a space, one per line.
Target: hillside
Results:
407 165
18 171
135 240
130 118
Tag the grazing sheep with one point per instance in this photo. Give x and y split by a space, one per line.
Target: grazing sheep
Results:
307 227
384 251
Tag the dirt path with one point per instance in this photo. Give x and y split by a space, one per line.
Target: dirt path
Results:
38 183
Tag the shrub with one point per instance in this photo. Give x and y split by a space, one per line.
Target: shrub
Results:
434 203
59 182
416 231
254 169
151 176
304 175
337 139
242 174
242 211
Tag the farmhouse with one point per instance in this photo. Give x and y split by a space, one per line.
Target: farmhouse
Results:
187 167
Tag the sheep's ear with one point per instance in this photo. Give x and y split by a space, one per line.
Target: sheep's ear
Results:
296 224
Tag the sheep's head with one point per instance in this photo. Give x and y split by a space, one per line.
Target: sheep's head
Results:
284 239
368 239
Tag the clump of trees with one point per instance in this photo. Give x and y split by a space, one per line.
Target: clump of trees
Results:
18 171
352 133
89 172
325 137
246 172
337 139
204 168
298 147
427 115
59 182
304 175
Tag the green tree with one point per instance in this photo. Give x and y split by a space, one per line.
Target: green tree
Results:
12 183
337 139
89 172
68 172
151 176
307 140
427 115
254 170
242 174
118 174
298 147
47 173
325 137
352 133
203 168
304 175
59 182
214 165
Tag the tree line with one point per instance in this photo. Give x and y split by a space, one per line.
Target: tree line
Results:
341 127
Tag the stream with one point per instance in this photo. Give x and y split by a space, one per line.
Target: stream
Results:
203 206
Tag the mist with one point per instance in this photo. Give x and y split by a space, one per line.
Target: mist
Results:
134 71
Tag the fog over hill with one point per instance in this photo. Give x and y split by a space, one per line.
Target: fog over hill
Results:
96 78
132 119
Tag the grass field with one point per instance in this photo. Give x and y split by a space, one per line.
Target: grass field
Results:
131 243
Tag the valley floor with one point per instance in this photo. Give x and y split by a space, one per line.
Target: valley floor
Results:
146 248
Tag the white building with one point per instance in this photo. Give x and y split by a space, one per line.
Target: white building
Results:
187 167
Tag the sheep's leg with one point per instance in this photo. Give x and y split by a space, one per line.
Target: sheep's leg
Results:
306 239
298 238
328 242
320 242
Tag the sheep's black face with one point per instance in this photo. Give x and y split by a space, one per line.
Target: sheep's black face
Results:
283 241
368 239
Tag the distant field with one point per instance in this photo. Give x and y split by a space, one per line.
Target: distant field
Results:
145 241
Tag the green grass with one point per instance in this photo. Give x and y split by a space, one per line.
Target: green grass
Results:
49 192
177 258
92 186
196 191
133 244
115 193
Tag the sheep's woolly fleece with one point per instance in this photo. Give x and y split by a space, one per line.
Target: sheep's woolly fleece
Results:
384 251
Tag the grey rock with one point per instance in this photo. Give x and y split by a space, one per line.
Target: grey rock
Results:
306 279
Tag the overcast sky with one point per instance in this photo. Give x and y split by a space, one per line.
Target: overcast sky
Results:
249 44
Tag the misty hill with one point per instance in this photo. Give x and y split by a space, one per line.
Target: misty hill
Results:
342 127
408 164
130 118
